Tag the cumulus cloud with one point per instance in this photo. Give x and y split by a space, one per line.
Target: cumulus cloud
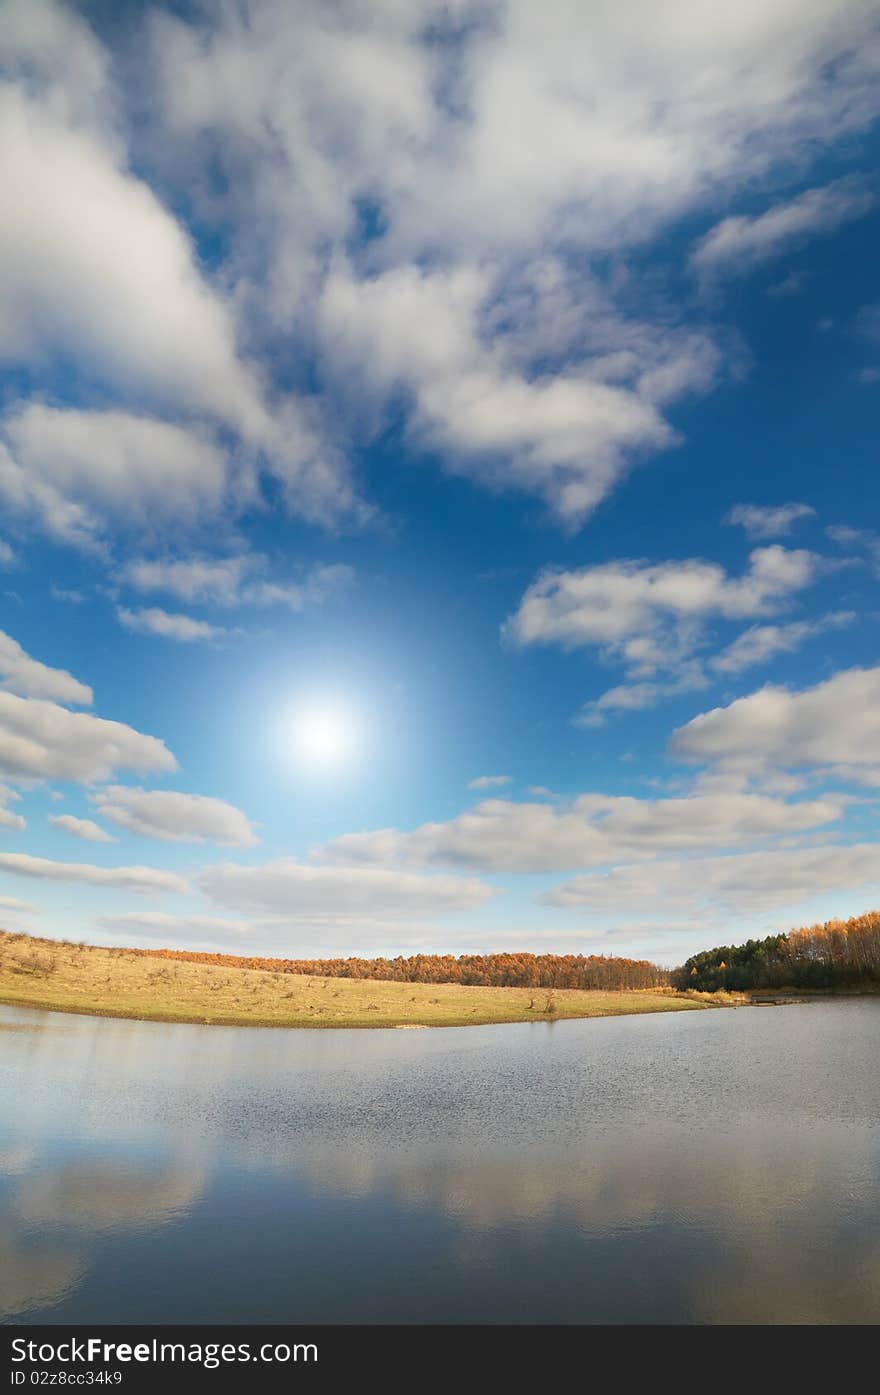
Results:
651 616
9 819
762 642
155 621
42 741
198 579
509 123
593 831
78 472
566 435
466 182
66 288
81 828
371 170
768 521
690 676
148 324
834 726
625 605
175 818
291 889
145 881
223 581
737 244
21 674
747 883
489 782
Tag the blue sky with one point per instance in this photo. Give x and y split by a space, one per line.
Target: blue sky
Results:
441 440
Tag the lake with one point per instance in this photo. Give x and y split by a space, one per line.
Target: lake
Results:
704 1167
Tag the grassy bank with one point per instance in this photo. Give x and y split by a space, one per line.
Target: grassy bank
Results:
117 983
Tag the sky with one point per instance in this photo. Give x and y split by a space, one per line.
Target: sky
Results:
438 473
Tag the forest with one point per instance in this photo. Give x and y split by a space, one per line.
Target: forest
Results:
838 954
480 970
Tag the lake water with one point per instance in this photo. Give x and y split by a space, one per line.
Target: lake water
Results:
689 1167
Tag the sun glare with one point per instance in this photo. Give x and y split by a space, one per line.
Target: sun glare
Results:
323 735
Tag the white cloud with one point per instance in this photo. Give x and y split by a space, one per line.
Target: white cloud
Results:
489 782
502 155
690 676
145 881
188 931
567 435
312 935
833 726
595 830
690 673
12 903
768 521
369 171
517 123
7 818
145 318
175 818
644 613
7 554
856 540
222 581
79 472
42 741
320 584
215 580
81 828
21 674
290 889
121 291
748 883
737 244
155 621
121 294
762 642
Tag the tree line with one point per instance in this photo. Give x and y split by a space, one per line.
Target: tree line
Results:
480 970
834 954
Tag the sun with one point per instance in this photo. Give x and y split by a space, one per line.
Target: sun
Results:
324 734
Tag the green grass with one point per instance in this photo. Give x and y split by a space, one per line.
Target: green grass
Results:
118 983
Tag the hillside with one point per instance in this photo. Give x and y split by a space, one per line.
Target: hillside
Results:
132 983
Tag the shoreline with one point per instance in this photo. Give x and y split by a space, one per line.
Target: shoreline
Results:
116 982
639 1003
356 1024
125 984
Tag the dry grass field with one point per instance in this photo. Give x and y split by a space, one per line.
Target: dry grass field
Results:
119 983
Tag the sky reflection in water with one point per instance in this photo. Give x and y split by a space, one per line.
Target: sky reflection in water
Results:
702 1167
